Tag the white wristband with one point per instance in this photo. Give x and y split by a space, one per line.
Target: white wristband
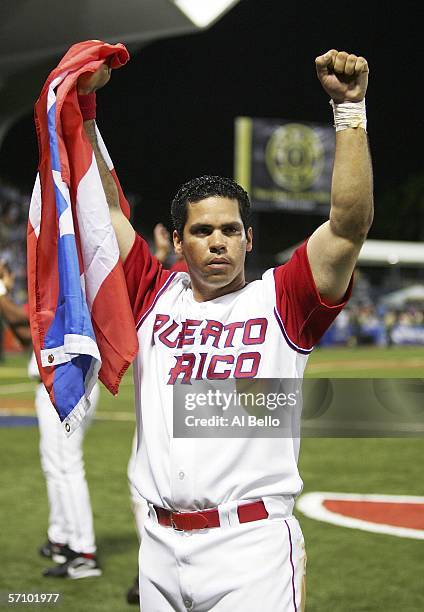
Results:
3 289
349 115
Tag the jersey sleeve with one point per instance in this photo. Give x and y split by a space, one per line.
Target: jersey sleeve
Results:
179 266
302 314
145 276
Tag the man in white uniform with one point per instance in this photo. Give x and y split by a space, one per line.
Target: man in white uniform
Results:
71 539
70 533
220 533
162 249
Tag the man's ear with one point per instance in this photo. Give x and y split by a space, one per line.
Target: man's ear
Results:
178 243
249 240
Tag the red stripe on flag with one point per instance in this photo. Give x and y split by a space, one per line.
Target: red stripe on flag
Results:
111 327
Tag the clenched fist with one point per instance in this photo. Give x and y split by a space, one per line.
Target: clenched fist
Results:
344 76
91 81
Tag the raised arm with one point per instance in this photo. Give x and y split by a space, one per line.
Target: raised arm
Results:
334 247
125 234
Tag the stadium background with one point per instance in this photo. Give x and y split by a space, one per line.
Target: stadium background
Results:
168 116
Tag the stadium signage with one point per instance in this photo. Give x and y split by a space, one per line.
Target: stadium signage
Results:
285 165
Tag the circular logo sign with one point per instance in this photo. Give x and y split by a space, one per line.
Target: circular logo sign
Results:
294 156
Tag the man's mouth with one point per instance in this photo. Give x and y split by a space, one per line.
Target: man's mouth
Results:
218 262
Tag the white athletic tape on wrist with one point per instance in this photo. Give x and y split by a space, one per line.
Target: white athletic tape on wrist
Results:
3 289
349 115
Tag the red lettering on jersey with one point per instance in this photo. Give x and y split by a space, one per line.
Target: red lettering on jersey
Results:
199 374
229 367
184 365
231 327
213 329
248 338
187 332
255 357
159 322
163 336
211 374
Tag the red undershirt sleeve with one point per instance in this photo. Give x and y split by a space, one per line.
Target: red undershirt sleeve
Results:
302 314
144 276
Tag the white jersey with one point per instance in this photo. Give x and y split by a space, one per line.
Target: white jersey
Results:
265 330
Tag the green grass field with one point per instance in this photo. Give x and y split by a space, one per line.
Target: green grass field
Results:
348 570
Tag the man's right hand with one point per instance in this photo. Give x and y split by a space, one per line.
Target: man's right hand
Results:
91 81
88 83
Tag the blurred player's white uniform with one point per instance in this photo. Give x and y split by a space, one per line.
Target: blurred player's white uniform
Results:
70 514
265 330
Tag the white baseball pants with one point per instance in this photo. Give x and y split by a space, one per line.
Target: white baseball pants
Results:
70 516
251 566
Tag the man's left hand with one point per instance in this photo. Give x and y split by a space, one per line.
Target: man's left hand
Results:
344 76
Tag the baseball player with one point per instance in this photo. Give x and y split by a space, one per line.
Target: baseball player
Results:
71 540
70 534
220 534
162 249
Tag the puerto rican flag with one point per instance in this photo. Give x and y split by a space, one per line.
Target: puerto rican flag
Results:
81 321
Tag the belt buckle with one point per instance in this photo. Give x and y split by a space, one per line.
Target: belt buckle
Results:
174 526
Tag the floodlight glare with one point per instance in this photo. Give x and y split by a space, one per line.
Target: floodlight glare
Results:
204 12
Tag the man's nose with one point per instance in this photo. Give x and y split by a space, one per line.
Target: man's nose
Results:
217 242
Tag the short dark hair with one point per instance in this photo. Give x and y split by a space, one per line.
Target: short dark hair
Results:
206 187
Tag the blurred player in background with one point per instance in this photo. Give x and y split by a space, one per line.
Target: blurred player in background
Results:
70 533
13 314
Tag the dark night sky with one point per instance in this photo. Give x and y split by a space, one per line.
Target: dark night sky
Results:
168 115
